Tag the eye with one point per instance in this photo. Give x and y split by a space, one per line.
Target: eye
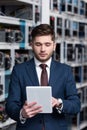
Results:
37 44
48 44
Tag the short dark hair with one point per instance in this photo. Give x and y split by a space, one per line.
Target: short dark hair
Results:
43 30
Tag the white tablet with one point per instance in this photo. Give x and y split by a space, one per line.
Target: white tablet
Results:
42 95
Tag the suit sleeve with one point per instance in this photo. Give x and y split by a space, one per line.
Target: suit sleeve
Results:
13 102
71 103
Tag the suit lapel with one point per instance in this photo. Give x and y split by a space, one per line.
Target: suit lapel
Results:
32 72
54 72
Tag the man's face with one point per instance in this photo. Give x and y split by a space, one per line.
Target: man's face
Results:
43 47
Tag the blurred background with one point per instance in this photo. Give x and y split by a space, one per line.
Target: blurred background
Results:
69 21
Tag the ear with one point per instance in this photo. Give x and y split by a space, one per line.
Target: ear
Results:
30 44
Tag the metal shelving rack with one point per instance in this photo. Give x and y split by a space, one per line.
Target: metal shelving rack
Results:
69 20
15 27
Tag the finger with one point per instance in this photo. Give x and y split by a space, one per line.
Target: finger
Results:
28 105
35 112
32 110
54 102
32 104
27 108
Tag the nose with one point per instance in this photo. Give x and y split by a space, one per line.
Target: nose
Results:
42 48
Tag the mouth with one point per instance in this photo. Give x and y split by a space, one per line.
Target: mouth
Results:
42 55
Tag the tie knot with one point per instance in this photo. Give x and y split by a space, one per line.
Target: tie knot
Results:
43 66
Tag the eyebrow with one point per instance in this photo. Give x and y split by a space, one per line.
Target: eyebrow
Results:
43 43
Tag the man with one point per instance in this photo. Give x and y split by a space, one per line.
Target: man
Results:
64 94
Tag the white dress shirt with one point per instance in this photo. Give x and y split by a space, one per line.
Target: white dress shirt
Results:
39 70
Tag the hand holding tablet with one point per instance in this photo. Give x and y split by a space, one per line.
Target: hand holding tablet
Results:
42 95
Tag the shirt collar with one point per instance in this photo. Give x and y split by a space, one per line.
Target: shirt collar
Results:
37 62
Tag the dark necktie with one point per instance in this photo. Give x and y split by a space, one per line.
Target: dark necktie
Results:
44 76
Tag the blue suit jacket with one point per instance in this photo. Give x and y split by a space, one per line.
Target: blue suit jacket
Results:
63 86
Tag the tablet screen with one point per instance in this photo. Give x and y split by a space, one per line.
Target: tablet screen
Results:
42 95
